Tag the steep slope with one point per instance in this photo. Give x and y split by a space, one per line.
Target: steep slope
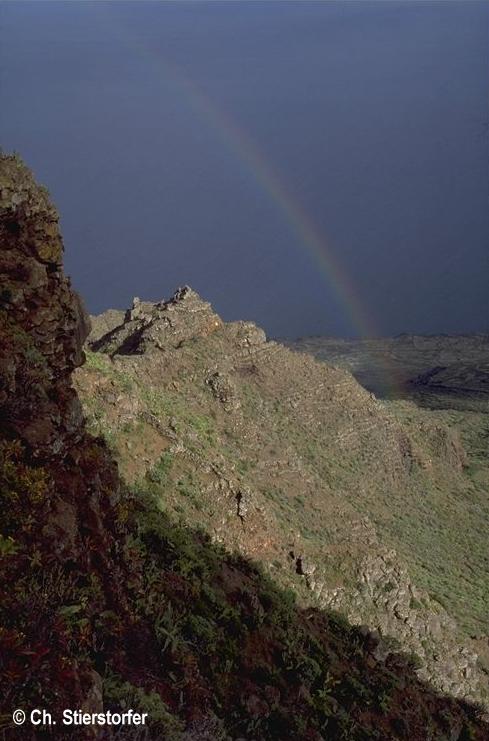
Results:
433 384
295 464
107 603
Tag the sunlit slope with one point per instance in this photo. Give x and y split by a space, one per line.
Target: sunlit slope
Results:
294 463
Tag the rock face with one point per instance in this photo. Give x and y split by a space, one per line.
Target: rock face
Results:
385 597
148 327
59 486
44 323
107 603
264 447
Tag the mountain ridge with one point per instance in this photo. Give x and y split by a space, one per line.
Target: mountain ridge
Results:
258 385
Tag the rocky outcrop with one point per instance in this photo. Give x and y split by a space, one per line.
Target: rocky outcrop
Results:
224 390
405 616
148 327
44 324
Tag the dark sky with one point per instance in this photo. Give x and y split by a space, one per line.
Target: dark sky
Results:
156 127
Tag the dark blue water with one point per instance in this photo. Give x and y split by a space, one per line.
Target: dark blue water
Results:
374 116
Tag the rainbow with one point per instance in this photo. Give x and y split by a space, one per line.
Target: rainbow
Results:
240 145
307 233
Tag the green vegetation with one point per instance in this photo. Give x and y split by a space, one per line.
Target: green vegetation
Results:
98 361
420 514
446 558
160 471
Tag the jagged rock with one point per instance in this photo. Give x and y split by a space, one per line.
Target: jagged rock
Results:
223 390
62 529
45 324
244 498
166 324
386 594
69 483
304 567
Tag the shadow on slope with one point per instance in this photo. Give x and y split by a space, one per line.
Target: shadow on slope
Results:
199 638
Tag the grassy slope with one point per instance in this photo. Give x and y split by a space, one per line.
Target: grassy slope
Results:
437 519
441 530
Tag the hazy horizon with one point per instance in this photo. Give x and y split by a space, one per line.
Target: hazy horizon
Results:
316 167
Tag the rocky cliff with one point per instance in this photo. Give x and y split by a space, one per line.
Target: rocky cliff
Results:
107 602
291 461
